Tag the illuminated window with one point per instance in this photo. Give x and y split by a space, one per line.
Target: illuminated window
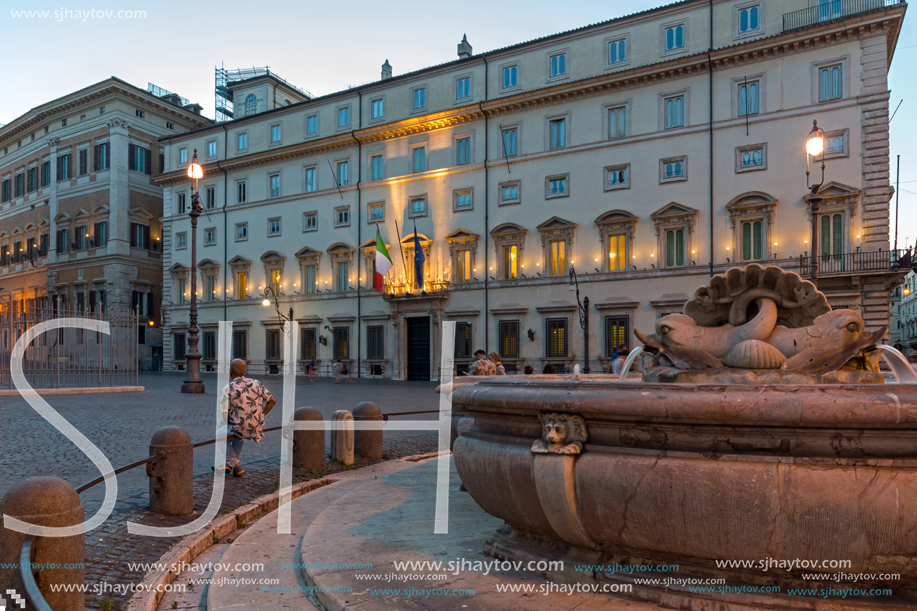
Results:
463 266
555 337
510 262
241 285
275 281
617 253
558 257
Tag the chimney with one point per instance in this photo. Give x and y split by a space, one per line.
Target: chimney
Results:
386 70
464 49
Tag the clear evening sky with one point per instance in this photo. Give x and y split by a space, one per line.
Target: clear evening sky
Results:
324 47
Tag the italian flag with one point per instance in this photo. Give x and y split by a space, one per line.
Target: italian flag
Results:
383 262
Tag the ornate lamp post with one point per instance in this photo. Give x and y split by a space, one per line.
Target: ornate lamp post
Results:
193 383
815 148
583 317
269 292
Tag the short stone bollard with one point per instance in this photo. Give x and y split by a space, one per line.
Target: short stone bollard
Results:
367 442
342 438
45 501
171 485
308 445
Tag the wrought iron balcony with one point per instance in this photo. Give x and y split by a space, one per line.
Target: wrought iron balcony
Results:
860 261
393 290
833 10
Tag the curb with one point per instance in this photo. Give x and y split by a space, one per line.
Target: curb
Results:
191 547
75 391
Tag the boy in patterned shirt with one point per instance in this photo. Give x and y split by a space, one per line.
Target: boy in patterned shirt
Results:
247 403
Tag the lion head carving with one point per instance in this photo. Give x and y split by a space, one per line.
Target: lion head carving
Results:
560 434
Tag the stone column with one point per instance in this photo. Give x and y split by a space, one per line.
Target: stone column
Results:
342 438
52 204
119 190
45 501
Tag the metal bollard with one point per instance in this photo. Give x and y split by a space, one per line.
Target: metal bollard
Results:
367 442
171 486
342 439
45 501
308 445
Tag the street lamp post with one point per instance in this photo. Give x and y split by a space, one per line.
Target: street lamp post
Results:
193 383
583 307
268 291
815 148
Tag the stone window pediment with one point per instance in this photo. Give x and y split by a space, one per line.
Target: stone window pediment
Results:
836 196
208 268
462 239
239 264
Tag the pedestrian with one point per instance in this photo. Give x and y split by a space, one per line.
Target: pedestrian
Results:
912 359
246 402
528 370
618 364
482 366
495 359
311 372
338 371
549 369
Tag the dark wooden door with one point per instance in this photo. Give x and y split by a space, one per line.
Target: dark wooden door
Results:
419 348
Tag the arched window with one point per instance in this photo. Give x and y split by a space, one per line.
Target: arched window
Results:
251 104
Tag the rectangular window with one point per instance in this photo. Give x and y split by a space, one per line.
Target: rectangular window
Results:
272 345
558 64
509 339
616 333
558 129
510 262
555 337
832 234
376 163
617 122
748 19
375 342
463 151
617 253
276 281
463 266
343 117
617 51
748 98
62 241
182 155
463 340
557 186
275 185
240 345
419 206
675 112
342 280
419 159
673 169
140 236
310 221
275 133
510 76
509 193
617 177
63 168
342 216
752 241
31 179
343 173
241 232
674 248
830 83
307 344
510 142
5 191
376 212
311 125
675 37
212 148
308 279
241 192
210 345
210 237
752 158
178 339
210 288
102 157
83 156
79 235
241 285
341 337
273 227
181 241
378 108
210 198
181 287
180 204
462 199
138 159
242 142
419 98
311 184
463 88
558 253
19 181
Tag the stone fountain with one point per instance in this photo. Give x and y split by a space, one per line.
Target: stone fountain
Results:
763 429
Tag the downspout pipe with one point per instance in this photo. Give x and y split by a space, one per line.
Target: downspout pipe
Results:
359 233
710 131
486 216
225 220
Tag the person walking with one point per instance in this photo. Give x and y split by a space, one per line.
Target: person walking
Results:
246 402
482 366
495 359
311 372
618 364
338 371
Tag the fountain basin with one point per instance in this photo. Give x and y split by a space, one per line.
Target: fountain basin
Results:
692 474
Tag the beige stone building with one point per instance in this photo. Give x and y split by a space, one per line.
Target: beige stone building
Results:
649 152
80 213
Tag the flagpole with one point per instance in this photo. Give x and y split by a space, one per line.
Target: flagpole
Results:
400 248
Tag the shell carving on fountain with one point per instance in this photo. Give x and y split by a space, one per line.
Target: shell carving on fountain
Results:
761 320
